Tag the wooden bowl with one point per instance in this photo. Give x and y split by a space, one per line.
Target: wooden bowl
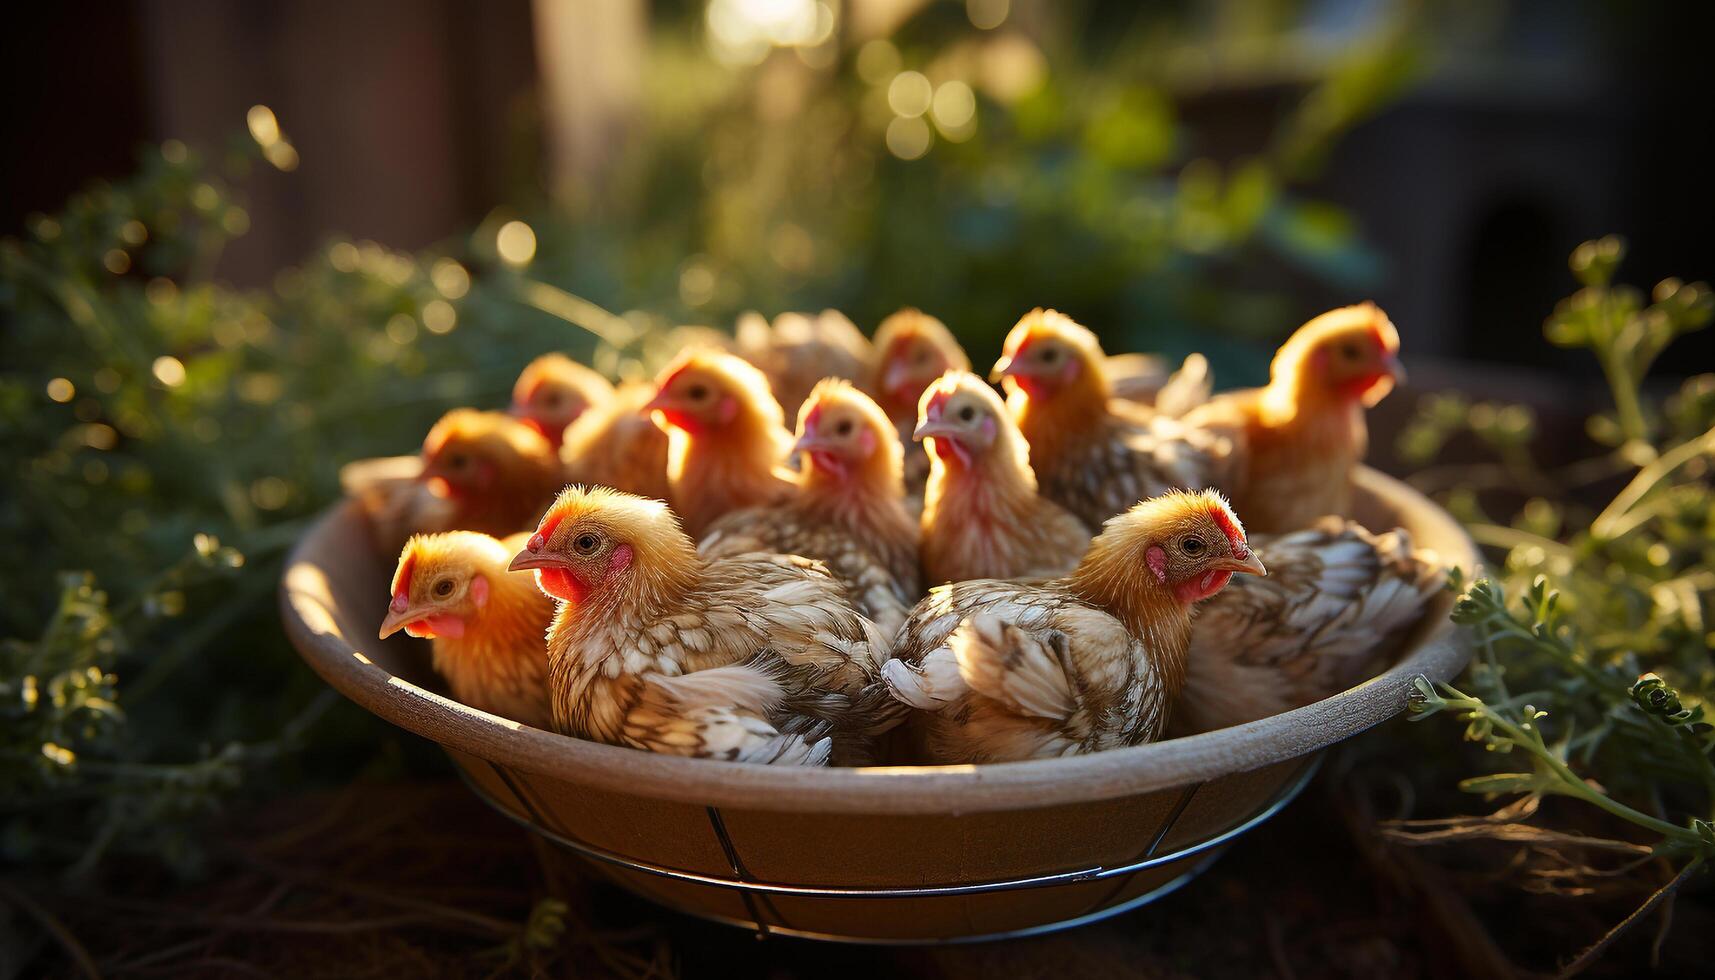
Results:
883 854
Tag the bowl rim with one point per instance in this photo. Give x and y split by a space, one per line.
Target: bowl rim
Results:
306 607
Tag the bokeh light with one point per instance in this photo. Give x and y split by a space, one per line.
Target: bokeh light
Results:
908 137
516 243
450 278
439 317
954 110
987 14
169 370
909 93
61 390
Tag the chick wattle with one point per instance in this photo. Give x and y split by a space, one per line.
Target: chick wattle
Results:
982 514
848 509
1002 671
487 624
1094 455
1295 442
755 658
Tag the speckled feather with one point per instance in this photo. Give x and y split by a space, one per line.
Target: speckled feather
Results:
1335 601
1125 456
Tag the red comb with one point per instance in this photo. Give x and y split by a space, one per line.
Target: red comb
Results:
539 540
1229 527
402 578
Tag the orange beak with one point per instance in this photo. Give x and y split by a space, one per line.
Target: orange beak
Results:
933 427
528 559
1394 368
1006 367
1250 564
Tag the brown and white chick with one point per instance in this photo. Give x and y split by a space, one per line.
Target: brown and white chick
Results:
487 625
1093 455
553 391
614 444
754 658
1336 601
497 473
1296 440
727 439
1003 671
982 514
912 349
849 509
801 349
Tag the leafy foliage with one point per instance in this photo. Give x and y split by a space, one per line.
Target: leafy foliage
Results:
1593 636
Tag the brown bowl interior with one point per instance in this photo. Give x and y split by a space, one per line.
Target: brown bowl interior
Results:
880 853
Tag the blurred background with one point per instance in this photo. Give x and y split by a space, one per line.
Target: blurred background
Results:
1156 170
243 243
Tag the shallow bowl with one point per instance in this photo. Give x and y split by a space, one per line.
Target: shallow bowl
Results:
880 854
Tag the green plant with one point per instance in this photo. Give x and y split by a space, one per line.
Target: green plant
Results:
1593 635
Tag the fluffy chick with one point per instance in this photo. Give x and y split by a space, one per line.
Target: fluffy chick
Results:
488 625
1336 601
1093 455
752 658
849 508
1296 440
912 349
801 349
1003 671
553 391
614 444
982 515
727 440
497 473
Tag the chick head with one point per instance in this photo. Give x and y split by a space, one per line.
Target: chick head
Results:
704 391
963 418
842 431
553 390
1351 353
468 452
596 540
442 582
1048 352
913 349
1188 543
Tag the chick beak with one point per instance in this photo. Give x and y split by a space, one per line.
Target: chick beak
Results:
810 443
897 381
399 613
1250 564
932 427
1394 368
1006 367
536 555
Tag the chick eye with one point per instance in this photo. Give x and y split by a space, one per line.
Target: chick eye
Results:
697 392
444 588
1350 351
920 357
1192 546
1050 355
586 544
457 461
551 399
967 413
844 428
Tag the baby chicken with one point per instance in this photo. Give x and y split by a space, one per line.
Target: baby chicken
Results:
497 473
553 390
912 350
982 516
614 444
727 440
1296 440
1336 600
802 349
1094 456
1005 671
755 657
849 508
487 624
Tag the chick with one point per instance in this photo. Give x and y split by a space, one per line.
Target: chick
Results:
849 508
912 349
727 440
553 391
1336 600
614 444
488 625
1003 671
497 473
801 349
755 658
1093 455
982 515
1296 440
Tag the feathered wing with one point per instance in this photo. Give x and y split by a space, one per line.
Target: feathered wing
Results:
1005 671
871 583
1335 600
1137 454
727 713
